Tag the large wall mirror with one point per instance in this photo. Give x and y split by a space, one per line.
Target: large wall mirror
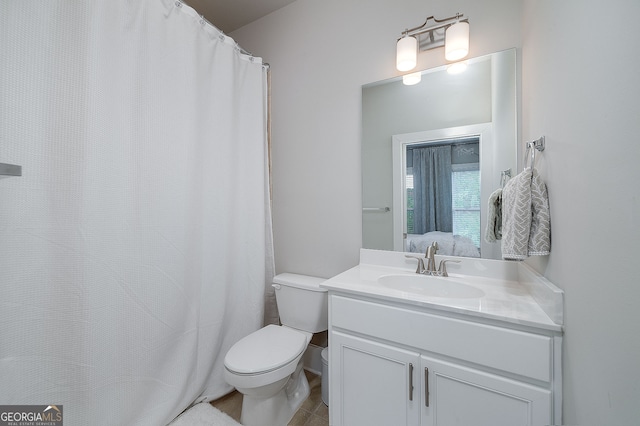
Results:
432 154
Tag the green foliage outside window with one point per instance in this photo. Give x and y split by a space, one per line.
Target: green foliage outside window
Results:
466 204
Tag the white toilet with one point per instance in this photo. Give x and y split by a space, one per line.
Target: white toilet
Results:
266 366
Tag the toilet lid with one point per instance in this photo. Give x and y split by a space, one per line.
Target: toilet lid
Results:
265 350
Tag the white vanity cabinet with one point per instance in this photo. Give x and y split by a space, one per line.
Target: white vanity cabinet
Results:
459 395
375 383
397 364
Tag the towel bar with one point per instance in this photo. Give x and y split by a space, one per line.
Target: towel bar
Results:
533 146
537 144
7 170
376 209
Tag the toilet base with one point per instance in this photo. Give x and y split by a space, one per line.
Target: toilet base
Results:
278 409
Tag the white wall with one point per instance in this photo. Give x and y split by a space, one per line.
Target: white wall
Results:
580 90
321 53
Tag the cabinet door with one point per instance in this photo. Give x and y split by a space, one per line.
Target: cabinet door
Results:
372 383
461 396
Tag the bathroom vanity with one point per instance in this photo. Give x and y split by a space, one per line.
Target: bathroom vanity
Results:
480 347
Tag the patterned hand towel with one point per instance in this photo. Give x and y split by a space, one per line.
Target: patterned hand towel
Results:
540 235
526 227
494 217
516 216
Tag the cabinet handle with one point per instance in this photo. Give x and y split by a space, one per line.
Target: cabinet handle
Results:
426 387
410 382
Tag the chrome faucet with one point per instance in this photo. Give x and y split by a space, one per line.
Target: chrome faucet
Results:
430 269
430 256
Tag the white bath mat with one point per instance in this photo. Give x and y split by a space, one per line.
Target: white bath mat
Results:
203 414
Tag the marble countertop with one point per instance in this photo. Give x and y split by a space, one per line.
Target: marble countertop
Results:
505 298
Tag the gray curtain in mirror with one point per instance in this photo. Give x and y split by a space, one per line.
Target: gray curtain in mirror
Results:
432 189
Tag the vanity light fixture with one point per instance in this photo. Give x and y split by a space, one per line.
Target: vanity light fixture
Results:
411 79
452 33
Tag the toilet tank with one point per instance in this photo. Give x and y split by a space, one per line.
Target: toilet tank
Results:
302 304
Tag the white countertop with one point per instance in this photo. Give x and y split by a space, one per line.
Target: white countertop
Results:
511 294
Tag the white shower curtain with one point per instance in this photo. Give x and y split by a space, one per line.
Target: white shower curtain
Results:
136 248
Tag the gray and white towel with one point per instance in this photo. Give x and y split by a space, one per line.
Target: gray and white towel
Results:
540 235
526 227
493 231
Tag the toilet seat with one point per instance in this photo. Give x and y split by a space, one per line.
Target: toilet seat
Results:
265 350
267 366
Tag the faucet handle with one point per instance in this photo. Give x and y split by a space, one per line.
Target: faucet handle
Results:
442 269
420 268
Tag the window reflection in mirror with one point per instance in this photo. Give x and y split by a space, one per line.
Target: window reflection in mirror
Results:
442 196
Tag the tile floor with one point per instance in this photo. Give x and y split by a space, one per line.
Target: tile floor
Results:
313 412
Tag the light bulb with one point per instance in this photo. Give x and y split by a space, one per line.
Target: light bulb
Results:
456 41
457 67
406 53
411 79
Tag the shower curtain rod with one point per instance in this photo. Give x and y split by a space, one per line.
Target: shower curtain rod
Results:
204 20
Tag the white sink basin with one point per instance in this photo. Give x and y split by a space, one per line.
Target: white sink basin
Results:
446 287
